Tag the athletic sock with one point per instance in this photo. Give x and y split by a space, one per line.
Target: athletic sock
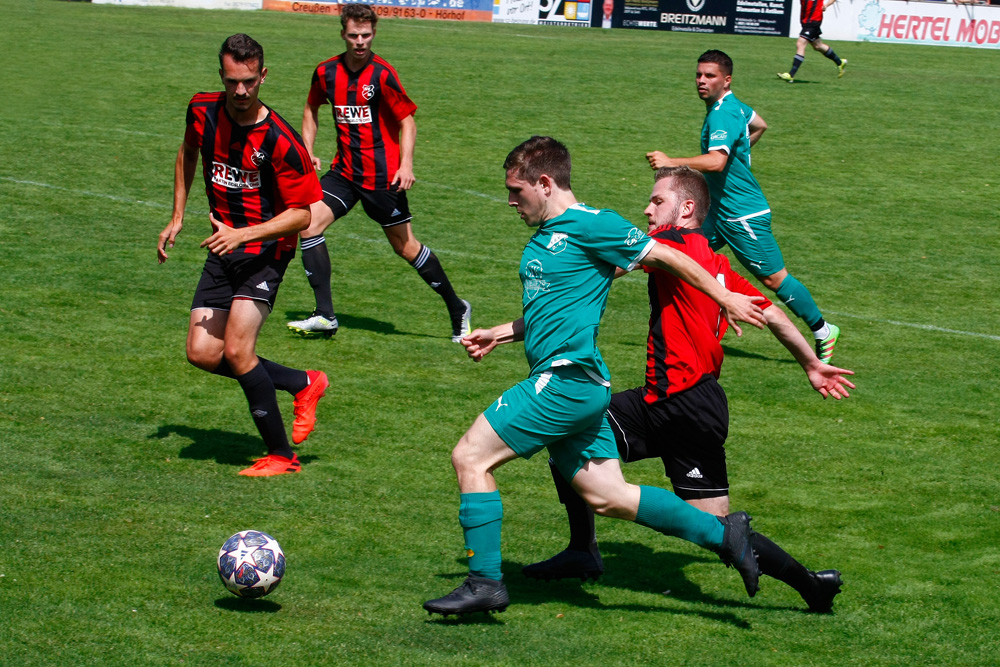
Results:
263 401
582 536
821 330
429 268
481 516
284 378
316 260
796 64
775 562
798 299
832 56
663 511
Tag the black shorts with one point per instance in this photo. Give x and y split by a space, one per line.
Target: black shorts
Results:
810 31
386 207
687 431
254 277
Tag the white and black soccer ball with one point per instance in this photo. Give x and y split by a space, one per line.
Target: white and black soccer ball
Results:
251 564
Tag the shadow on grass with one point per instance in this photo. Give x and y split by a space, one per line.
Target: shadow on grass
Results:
627 565
225 447
247 605
352 322
736 352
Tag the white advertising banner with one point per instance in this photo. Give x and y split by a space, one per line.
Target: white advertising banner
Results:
515 11
897 22
188 4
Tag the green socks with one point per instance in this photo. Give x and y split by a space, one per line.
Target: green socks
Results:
663 511
481 515
798 299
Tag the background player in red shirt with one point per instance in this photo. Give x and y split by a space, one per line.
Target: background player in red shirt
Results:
376 135
811 17
260 184
681 414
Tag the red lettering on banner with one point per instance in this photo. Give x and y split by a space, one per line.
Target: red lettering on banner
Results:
885 25
994 32
936 29
899 27
981 29
966 30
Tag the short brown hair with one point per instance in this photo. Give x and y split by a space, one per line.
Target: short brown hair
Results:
243 49
688 184
724 62
359 13
537 156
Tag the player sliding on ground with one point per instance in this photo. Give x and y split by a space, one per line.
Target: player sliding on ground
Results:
566 271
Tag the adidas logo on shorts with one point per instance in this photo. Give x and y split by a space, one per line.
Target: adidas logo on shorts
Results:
695 474
264 286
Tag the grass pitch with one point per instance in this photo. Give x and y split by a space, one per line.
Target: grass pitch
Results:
119 482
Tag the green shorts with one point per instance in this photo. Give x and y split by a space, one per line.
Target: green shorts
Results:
751 241
562 409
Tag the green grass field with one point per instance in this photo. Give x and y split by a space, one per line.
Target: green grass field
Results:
118 481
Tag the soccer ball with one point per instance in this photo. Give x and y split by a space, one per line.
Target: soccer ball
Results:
251 564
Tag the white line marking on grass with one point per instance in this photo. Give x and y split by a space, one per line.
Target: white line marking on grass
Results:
481 258
913 325
474 193
86 193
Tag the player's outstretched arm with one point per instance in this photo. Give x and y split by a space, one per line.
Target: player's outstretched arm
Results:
735 307
481 342
184 166
711 161
826 379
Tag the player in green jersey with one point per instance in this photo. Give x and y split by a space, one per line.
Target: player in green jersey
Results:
740 216
566 272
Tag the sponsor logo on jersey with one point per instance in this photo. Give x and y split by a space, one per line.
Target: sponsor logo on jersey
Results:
634 235
557 243
533 283
352 115
719 135
232 177
368 91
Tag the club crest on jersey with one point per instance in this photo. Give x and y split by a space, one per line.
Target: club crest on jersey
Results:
234 178
533 283
352 115
258 158
368 91
719 135
557 243
634 235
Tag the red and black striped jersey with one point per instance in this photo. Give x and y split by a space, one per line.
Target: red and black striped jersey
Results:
252 172
368 106
686 325
812 11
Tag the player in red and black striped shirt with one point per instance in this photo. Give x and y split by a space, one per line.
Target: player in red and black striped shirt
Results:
376 135
811 16
260 184
681 414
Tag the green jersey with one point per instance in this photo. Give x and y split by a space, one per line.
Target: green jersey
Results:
566 269
736 195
